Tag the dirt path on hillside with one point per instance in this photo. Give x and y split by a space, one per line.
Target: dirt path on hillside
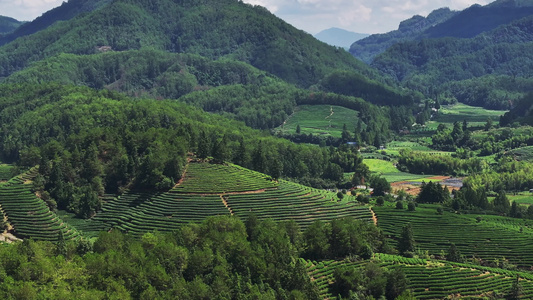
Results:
226 204
183 174
374 217
331 112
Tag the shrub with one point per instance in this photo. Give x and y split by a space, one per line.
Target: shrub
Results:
411 206
399 205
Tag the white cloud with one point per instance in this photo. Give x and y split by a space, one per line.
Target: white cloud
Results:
26 10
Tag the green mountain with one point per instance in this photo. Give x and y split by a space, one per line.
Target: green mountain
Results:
8 25
492 69
213 29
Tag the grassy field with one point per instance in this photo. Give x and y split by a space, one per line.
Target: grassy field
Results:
381 166
387 170
522 154
326 120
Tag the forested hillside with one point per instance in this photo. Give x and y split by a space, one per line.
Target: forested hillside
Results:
248 94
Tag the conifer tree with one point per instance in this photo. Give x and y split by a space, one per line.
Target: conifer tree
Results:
406 244
454 254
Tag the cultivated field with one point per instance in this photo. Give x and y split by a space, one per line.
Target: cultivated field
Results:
325 120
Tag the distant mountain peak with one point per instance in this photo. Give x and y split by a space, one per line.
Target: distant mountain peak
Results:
339 37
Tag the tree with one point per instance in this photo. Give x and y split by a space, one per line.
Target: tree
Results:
465 125
89 203
362 172
399 205
406 244
221 152
61 245
454 254
515 211
433 193
501 203
396 283
204 145
298 129
411 206
346 279
489 124
316 237
516 290
380 185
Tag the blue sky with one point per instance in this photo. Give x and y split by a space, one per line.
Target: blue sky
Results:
363 16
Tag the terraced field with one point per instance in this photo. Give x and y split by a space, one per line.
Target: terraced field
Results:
325 120
431 279
492 238
206 178
29 215
293 201
211 189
